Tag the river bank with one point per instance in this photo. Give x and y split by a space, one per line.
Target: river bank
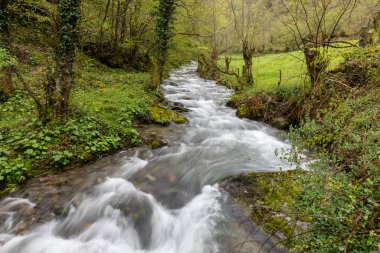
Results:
144 191
52 192
271 199
108 105
340 127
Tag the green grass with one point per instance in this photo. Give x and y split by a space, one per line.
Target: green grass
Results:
344 141
111 95
104 104
266 68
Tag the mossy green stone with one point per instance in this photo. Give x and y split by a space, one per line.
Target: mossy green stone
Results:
163 116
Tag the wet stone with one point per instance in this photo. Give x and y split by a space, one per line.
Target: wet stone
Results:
150 177
167 197
145 154
20 228
178 107
157 143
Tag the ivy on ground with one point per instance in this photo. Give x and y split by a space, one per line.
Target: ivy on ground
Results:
37 146
341 192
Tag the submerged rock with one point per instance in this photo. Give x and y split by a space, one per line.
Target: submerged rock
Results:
263 194
157 143
178 107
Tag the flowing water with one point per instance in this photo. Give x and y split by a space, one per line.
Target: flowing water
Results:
167 200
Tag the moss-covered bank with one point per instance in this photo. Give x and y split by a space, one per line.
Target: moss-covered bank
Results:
106 104
337 199
267 197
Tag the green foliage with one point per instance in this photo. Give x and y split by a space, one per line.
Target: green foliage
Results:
106 102
112 95
68 36
16 111
337 199
36 145
32 15
29 12
120 35
62 157
6 59
269 196
163 35
341 193
343 213
266 69
34 60
183 50
164 29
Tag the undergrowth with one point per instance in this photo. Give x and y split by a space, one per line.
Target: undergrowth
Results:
341 194
105 104
334 205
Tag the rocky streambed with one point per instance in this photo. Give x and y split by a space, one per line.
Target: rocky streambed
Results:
167 199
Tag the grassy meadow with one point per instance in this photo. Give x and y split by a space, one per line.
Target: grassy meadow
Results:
266 68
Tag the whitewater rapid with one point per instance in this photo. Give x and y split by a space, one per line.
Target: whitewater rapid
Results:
168 201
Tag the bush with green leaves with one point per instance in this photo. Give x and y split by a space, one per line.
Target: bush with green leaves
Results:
36 145
6 59
341 193
105 103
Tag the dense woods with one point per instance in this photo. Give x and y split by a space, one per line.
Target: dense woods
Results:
77 76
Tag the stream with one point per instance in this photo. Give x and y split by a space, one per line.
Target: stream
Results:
166 200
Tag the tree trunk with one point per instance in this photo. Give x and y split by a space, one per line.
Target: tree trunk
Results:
101 32
123 18
157 73
123 33
313 67
366 37
58 87
164 33
112 18
247 68
228 63
4 23
214 54
6 83
214 65
117 24
64 84
376 26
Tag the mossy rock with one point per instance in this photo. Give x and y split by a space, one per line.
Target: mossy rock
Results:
156 143
178 107
7 189
251 112
231 103
275 223
179 119
163 116
268 196
281 122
